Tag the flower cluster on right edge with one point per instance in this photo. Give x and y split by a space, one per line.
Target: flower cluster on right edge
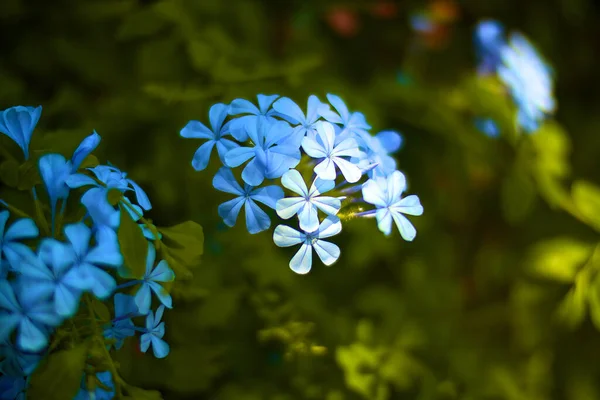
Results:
520 68
326 159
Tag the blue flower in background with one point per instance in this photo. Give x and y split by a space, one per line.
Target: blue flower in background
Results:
322 145
529 80
95 199
291 112
214 136
301 263
353 123
122 327
375 159
386 195
98 394
18 124
10 247
256 115
150 283
256 219
488 127
87 261
272 155
49 274
489 41
153 336
16 362
12 387
309 202
30 315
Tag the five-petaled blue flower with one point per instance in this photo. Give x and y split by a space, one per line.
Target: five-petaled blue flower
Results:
16 362
489 41
386 195
322 145
18 124
98 393
529 80
214 136
10 247
122 327
154 332
375 159
291 112
284 236
256 219
353 124
271 156
309 202
30 314
95 199
262 113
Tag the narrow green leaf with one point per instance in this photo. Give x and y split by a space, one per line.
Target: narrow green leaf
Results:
185 241
559 259
587 200
571 310
59 376
518 196
101 310
134 245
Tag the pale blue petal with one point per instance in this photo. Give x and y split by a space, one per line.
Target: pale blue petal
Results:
243 106
256 219
313 148
223 148
409 205
373 193
66 300
390 140
277 132
230 210
265 101
384 220
54 171
285 236
339 106
196 130
326 169
162 295
326 133
23 228
79 236
329 205
293 181
31 338
238 156
279 160
143 299
202 156
346 148
268 195
314 106
321 186
302 260
160 348
79 180
330 226
8 323
288 207
8 299
162 273
308 218
237 127
225 182
396 184
327 252
150 258
217 115
350 171
289 110
100 210
140 195
253 174
406 229
104 284
84 149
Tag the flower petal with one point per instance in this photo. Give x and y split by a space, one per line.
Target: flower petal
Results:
410 205
268 195
289 110
330 226
196 130
288 207
230 210
225 182
326 169
285 236
79 236
350 171
84 149
202 156
216 115
293 181
327 252
23 228
308 217
405 227
301 263
256 219
254 173
329 205
242 106
238 156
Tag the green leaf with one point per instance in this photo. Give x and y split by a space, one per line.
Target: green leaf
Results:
518 196
59 376
201 54
90 161
571 310
586 197
144 22
134 245
594 302
101 310
559 259
185 241
141 394
9 173
29 175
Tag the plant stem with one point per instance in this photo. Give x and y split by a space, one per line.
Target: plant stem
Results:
15 210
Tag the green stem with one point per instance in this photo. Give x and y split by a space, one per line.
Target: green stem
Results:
15 210
98 335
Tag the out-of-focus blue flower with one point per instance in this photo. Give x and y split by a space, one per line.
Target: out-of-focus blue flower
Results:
321 145
150 283
98 394
301 263
88 261
422 22
291 112
529 80
12 387
121 327
256 219
18 124
31 315
309 202
272 155
386 195
10 246
16 362
95 199
262 113
214 136
49 274
353 123
487 126
489 41
155 330
375 159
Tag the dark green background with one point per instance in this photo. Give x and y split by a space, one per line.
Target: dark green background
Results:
457 314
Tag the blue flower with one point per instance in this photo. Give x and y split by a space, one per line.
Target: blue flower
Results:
309 202
322 145
529 80
375 159
55 170
386 195
29 314
105 378
154 332
272 155
121 327
256 219
301 263
16 362
262 113
487 126
197 130
87 261
18 124
290 111
12 387
489 41
95 199
353 123
49 274
150 282
10 246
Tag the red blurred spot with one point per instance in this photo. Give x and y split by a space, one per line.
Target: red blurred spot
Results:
343 21
385 9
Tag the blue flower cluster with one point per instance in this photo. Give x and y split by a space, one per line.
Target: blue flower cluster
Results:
521 69
323 151
45 281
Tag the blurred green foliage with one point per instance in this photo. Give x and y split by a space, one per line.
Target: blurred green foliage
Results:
497 298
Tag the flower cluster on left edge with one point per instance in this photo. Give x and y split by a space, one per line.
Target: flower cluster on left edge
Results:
327 159
85 272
